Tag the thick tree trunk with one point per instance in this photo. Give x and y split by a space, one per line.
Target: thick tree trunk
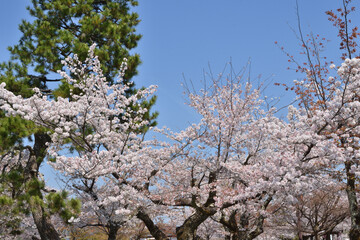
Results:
354 233
187 231
41 218
232 226
43 223
316 235
113 229
154 230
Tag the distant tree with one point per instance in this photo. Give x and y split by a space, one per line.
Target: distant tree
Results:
314 214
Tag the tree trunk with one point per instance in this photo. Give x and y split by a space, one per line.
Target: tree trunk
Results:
234 229
153 229
187 231
113 229
354 233
43 223
316 235
41 218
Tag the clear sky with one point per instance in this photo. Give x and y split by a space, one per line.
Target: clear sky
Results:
184 36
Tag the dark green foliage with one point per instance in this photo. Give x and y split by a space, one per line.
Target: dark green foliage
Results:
62 28
59 203
14 129
19 130
34 188
12 202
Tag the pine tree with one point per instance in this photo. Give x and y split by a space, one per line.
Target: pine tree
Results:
60 28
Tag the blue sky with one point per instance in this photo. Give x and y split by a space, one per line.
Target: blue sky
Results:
183 37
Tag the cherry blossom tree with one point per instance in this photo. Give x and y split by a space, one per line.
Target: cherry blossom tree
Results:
103 127
332 100
238 160
230 166
96 142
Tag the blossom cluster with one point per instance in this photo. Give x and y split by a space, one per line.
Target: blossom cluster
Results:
238 158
